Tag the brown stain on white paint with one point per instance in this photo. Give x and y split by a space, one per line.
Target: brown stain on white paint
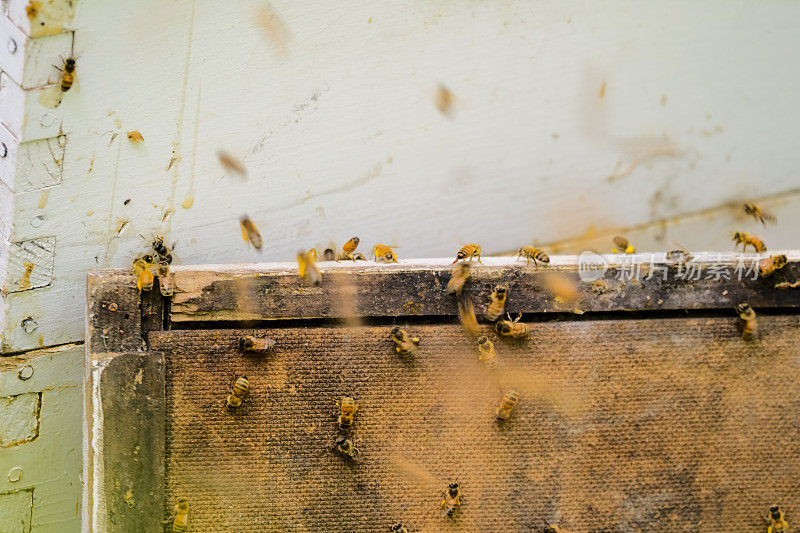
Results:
25 281
45 194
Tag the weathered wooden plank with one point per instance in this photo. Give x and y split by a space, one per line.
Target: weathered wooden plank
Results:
266 292
114 320
30 264
40 164
621 425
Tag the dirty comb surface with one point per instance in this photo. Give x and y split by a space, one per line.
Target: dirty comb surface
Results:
654 425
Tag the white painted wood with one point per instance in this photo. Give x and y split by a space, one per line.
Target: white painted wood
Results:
12 105
30 264
42 57
8 157
334 116
49 17
12 49
39 164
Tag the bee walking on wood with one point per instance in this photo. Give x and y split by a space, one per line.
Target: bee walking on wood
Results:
622 245
459 277
487 355
497 303
239 390
307 268
768 266
760 214
143 267
250 232
399 528
533 254
776 522
348 252
166 284
347 412
452 499
257 346
162 251
507 405
512 328
404 344
745 239
749 324
68 74
468 252
180 516
346 447
383 254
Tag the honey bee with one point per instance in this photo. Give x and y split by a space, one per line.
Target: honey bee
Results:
679 256
250 232
166 284
760 214
787 285
533 254
459 278
135 136
231 163
180 516
329 254
163 253
554 529
487 355
497 304
776 522
468 251
384 254
345 446
466 314
307 269
507 405
623 245
562 287
143 270
238 392
399 528
452 499
347 250
312 254
347 412
405 345
745 239
512 328
768 266
68 74
260 346
748 316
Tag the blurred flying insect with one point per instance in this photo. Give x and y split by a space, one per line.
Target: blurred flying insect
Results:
507 405
347 412
383 254
563 287
399 528
307 269
231 163
749 323
487 353
346 447
768 266
760 214
466 314
444 99
622 246
180 516
312 254
143 267
250 232
239 390
679 256
328 254
468 251
533 254
256 345
458 278
404 344
745 239
163 252
497 303
452 499
777 524
512 328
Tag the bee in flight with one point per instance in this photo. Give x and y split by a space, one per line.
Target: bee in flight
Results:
507 405
346 447
468 251
745 239
384 254
749 324
679 256
622 245
768 266
512 328
404 344
250 232
459 277
466 314
776 522
180 516
497 303
239 390
254 345
307 268
760 214
452 499
533 254
563 287
348 252
312 254
162 252
231 163
399 528
487 355
347 412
